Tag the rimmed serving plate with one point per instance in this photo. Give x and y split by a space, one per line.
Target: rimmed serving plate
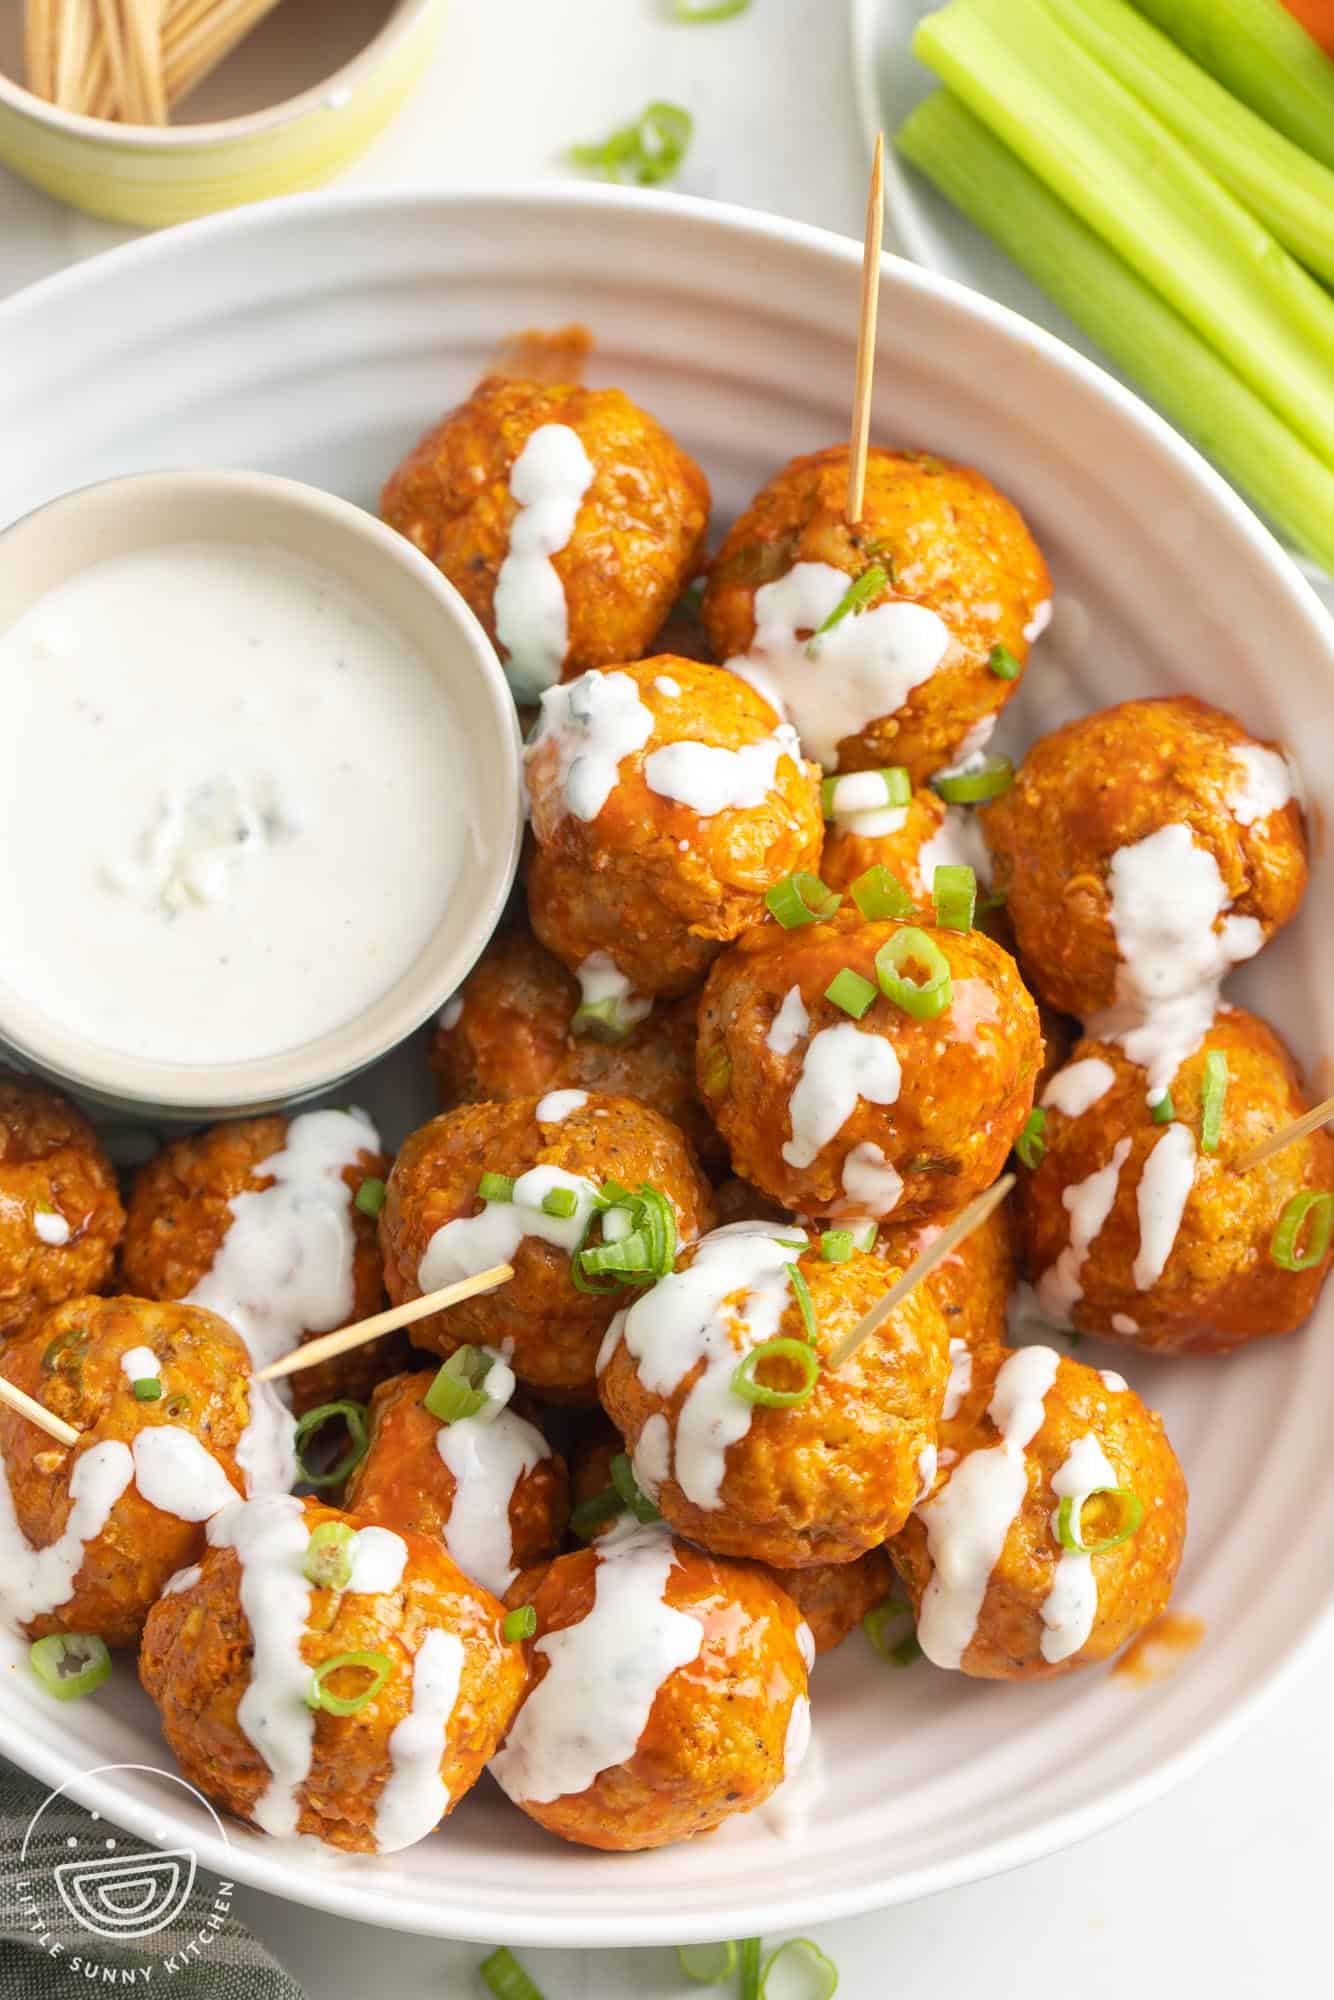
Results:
317 337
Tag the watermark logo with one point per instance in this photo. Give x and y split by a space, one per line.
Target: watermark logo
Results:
81 1880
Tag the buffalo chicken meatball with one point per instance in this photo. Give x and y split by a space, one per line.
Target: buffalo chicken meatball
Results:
515 1029
532 492
911 840
60 1213
667 798
1143 851
264 1221
171 1427
739 1431
546 1163
918 673
488 1486
1147 1232
1055 1528
899 1112
667 1692
972 1285
321 1675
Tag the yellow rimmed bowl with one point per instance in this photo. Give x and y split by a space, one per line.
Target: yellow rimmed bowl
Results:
302 96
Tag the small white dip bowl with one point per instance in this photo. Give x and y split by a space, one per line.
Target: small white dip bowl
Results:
120 517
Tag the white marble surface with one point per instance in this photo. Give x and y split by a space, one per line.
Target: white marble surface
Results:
1218 1888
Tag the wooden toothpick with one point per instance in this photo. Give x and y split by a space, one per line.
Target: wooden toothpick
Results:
861 400
965 1222
330 1344
38 1414
1310 1121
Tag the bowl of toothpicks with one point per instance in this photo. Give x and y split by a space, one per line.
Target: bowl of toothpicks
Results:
153 111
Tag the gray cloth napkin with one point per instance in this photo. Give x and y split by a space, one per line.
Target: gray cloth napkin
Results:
46 1950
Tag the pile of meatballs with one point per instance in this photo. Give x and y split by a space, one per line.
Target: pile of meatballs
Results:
653 1022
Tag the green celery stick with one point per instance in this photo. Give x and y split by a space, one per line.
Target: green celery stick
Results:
1264 56
1137 329
1120 168
1290 192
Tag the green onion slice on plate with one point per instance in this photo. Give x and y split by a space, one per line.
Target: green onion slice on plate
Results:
646 153
70 1664
707 1964
503 1975
803 1968
1068 1516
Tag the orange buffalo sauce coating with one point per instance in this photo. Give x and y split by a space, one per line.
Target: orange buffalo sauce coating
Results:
1160 1650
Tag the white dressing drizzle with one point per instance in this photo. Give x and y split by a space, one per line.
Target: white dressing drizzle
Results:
862 670
859 806
1079 1086
451 1013
178 1475
1071 1604
956 843
1265 784
472 1243
594 722
33 1581
415 1797
592 1705
1088 1204
140 1364
686 1319
600 978
269 1538
806 1645
50 1226
652 1456
961 1378
797 1738
1039 622
487 1460
711 780
379 1558
790 1025
1164 1188
548 479
969 1518
1123 1323
841 1065
1111 1380
871 1185
558 1104
667 686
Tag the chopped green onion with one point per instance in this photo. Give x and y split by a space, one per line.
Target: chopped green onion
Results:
590 1514
631 1493
378 1665
1213 1093
328 1563
801 899
457 1390
71 1344
836 1246
354 1416
854 599
647 152
894 777
370 1196
792 1242
715 1071
506 1978
818 1975
496 1187
1003 664
561 1202
1204 252
1163 1111
1031 1145
70 1664
1314 1212
147 1389
639 1239
896 1653
750 1969
520 1624
626 1255
865 1238
848 990
1070 1509
693 11
608 1020
906 1651
954 893
1193 385
802 1293
707 1964
926 998
879 895
992 776
745 1376
1275 179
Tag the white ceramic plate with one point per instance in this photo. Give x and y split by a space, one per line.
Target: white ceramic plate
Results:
316 338
888 81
